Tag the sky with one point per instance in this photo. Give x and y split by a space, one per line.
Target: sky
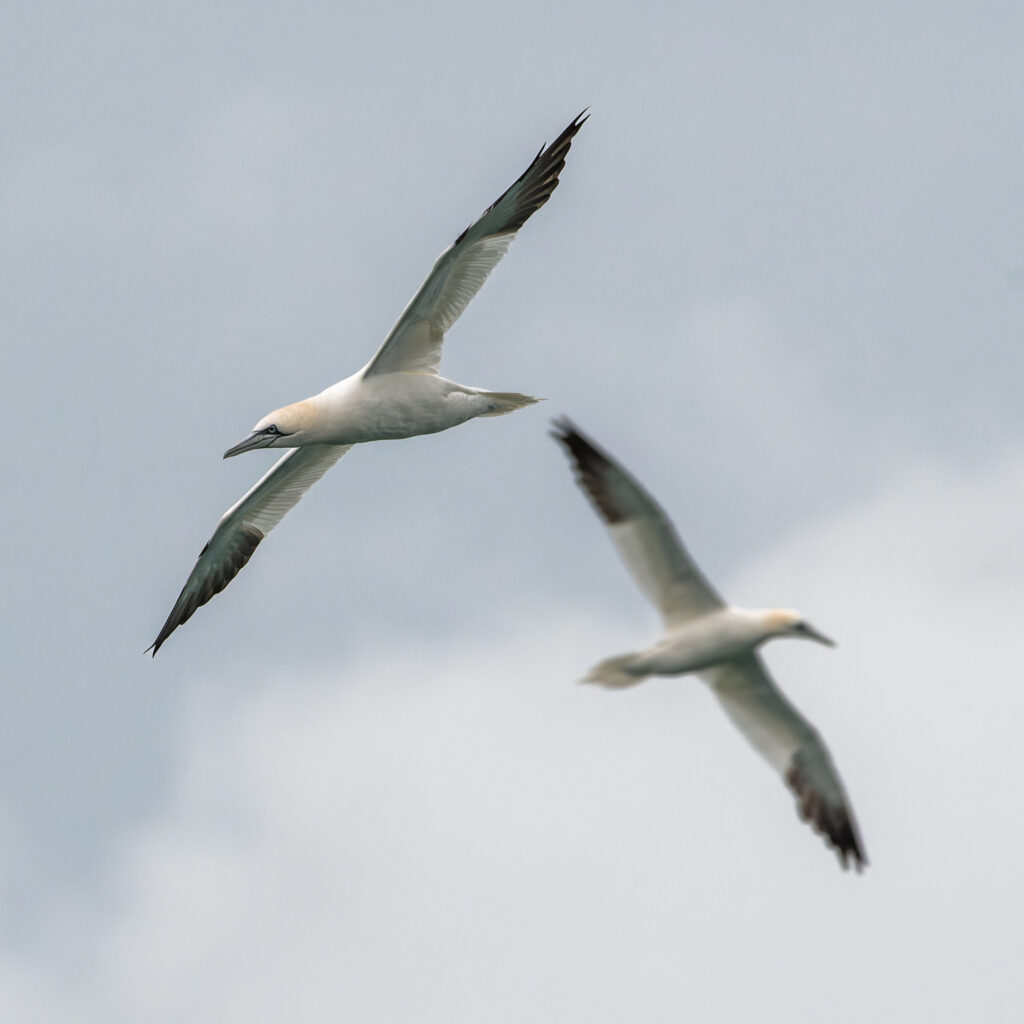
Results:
782 279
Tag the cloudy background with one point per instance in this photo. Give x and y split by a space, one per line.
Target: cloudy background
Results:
783 280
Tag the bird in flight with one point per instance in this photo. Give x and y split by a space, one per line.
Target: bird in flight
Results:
719 642
399 392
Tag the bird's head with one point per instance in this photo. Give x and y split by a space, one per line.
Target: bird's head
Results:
283 428
786 622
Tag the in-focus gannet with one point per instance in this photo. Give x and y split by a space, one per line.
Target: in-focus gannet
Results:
705 635
397 394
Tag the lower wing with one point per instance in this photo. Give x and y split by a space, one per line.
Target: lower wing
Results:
245 524
793 747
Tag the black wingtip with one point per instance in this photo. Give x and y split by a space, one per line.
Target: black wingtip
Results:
591 465
581 447
533 188
852 854
159 641
566 433
567 133
833 821
561 428
244 542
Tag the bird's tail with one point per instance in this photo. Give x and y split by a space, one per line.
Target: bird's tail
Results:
506 401
614 674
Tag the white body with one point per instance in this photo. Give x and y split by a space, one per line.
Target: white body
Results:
701 643
388 407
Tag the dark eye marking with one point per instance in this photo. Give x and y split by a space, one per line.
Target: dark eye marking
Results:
272 430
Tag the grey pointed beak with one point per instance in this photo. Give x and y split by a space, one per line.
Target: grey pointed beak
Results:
813 634
254 440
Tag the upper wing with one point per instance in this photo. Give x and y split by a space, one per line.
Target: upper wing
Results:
414 344
793 747
642 533
245 524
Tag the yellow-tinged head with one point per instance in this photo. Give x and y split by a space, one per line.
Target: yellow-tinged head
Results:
787 622
288 427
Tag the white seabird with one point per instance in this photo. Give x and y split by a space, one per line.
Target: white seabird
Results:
397 394
704 634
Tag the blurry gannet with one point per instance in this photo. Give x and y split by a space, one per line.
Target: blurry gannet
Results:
397 394
717 641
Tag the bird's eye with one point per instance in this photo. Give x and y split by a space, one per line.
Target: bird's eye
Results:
271 430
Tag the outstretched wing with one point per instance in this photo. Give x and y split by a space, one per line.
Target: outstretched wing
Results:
641 532
245 524
793 748
414 344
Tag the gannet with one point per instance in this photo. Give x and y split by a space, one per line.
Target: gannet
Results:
397 394
718 642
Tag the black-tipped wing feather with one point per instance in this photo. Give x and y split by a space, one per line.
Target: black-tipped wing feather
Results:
414 344
245 524
643 535
793 747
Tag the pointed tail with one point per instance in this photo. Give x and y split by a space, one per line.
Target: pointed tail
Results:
506 401
614 674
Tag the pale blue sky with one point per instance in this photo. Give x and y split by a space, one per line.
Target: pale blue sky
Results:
781 280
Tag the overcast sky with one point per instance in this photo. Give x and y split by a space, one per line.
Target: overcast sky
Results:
782 280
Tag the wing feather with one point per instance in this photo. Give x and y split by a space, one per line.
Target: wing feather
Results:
793 748
245 524
642 534
414 343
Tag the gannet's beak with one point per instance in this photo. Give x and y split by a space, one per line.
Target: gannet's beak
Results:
257 439
812 634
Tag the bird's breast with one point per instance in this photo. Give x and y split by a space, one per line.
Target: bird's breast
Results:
393 406
699 644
